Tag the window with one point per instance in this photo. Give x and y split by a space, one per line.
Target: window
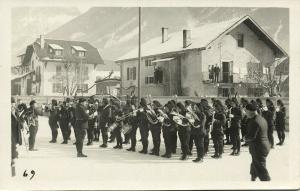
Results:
240 40
131 73
58 52
148 63
149 80
81 54
82 88
58 70
57 88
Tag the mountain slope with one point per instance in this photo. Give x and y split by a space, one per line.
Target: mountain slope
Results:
114 31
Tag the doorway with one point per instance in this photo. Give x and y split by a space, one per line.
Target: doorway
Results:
226 72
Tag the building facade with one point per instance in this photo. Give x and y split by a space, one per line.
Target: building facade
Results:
186 63
52 67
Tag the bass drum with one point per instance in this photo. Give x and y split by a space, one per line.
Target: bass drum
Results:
126 129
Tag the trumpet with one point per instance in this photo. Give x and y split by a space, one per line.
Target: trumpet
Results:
130 114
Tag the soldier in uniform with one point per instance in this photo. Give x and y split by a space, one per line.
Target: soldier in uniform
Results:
199 132
168 129
217 132
280 121
208 113
96 126
33 123
81 125
126 110
53 120
156 130
91 122
244 103
71 110
259 146
184 132
105 116
268 114
236 117
174 133
133 121
143 125
228 130
117 131
64 119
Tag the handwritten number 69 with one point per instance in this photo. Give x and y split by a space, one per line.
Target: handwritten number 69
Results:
25 174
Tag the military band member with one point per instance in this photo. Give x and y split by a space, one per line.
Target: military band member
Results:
236 117
259 146
184 132
119 124
174 134
127 110
96 126
91 122
143 125
208 111
217 131
105 117
168 129
72 121
280 121
81 125
198 131
133 121
64 119
53 120
244 103
33 124
156 129
269 114
228 129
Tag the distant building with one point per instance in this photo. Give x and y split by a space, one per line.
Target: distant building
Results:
185 63
56 67
108 86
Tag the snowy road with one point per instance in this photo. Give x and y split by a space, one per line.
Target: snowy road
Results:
57 163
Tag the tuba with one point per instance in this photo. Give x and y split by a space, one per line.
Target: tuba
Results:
151 116
178 119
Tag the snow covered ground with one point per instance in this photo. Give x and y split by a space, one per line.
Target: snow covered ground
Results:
56 165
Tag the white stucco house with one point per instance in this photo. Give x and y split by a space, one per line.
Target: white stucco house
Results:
183 59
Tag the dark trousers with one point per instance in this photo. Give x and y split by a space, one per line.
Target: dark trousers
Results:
155 132
174 141
206 143
236 140
90 133
281 135
54 131
97 133
69 131
133 136
216 77
80 135
75 131
228 133
32 135
127 137
117 133
258 167
218 145
144 130
167 135
64 130
270 136
184 137
104 134
243 131
198 139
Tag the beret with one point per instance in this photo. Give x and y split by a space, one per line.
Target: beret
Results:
82 100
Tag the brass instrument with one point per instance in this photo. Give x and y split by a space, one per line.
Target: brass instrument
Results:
151 115
130 114
178 119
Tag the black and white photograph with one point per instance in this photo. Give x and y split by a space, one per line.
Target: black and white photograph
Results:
140 96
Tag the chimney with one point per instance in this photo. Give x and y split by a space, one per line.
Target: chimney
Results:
164 34
42 41
187 38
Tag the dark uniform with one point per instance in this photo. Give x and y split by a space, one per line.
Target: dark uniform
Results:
269 116
127 109
16 136
143 125
217 133
259 147
33 124
280 124
105 118
168 128
156 133
133 121
81 126
91 124
197 135
235 129
117 130
64 119
184 133
53 122
71 111
208 114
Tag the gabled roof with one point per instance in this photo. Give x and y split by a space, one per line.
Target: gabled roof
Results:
92 55
79 48
201 38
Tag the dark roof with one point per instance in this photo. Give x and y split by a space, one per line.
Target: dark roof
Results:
92 55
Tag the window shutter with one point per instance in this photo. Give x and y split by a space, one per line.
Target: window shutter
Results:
134 73
127 73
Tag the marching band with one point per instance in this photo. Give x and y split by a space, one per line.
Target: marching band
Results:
195 123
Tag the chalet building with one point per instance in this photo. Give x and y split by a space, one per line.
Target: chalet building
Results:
56 67
186 62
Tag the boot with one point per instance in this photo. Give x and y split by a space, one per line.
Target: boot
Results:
183 157
81 155
103 145
198 160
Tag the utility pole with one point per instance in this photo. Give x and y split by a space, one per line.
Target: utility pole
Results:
139 61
